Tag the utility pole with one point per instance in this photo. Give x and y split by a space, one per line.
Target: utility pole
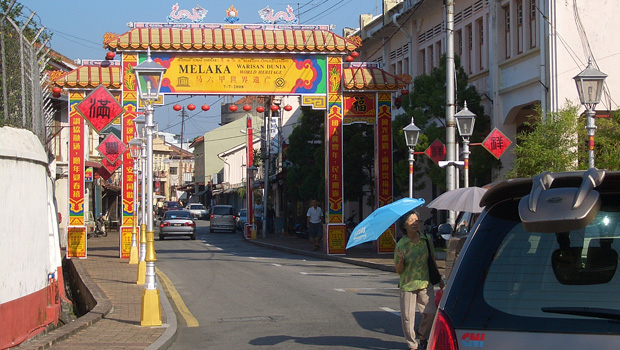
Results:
450 120
181 172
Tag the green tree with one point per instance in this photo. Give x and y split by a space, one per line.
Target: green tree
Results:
426 104
560 143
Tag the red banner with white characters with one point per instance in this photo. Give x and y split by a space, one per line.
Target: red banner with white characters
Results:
76 163
383 159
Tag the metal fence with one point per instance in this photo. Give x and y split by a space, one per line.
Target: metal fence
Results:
24 102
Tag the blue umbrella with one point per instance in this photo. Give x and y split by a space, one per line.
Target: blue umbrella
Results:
381 219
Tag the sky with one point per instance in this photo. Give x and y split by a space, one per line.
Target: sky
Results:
78 27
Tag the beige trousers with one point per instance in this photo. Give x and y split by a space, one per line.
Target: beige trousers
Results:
422 300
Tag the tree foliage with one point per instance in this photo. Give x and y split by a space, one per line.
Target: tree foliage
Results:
559 143
427 104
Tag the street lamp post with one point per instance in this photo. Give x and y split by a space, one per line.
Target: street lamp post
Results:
142 250
134 151
590 87
465 121
412 132
149 77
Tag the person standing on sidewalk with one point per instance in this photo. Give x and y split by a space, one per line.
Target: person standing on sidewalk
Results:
315 224
416 292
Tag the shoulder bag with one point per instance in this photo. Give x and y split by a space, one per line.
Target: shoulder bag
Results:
433 272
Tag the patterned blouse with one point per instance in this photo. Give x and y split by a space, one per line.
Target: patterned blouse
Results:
415 272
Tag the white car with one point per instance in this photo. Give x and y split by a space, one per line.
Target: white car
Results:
198 210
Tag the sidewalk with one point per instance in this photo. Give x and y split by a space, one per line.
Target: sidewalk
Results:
114 323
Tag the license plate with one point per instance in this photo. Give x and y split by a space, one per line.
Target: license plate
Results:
177 224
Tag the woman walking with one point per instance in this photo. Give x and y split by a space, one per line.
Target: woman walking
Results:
416 292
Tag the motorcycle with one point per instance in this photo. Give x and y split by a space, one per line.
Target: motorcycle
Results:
301 230
100 229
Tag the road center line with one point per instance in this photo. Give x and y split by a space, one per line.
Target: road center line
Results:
190 320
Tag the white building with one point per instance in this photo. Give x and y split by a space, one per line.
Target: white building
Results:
518 53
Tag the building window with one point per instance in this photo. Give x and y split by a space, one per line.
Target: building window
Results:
520 27
459 43
533 15
480 44
506 10
173 170
470 44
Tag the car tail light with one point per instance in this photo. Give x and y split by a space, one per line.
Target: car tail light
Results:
164 224
190 223
442 336
233 217
211 216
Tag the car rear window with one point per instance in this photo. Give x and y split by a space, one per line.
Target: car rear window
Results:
177 214
222 210
196 206
174 205
530 281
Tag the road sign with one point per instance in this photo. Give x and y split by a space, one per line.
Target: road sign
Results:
496 143
436 151
112 148
99 108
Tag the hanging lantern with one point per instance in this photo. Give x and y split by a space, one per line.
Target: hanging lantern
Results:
349 59
191 107
288 108
274 108
404 92
205 107
260 109
110 55
247 108
56 90
56 94
232 108
355 54
177 107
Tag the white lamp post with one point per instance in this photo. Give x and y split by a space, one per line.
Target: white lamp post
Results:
590 87
465 121
149 77
412 132
134 151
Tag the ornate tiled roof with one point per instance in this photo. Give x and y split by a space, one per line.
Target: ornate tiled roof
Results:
231 39
90 77
370 79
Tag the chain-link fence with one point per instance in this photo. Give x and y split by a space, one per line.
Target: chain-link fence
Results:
23 58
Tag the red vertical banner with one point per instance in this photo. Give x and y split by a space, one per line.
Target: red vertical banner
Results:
250 162
335 240
129 102
384 166
77 229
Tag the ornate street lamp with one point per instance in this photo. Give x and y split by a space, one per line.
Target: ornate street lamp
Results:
590 87
134 151
149 77
412 132
465 121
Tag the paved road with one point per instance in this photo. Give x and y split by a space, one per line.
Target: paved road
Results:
240 296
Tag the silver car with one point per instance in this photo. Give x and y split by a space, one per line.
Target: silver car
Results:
539 269
198 210
177 223
222 218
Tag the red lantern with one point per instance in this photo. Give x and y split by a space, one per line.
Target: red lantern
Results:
232 108
404 92
288 108
191 107
355 54
205 107
177 107
274 108
56 94
349 59
110 55
247 108
56 90
260 109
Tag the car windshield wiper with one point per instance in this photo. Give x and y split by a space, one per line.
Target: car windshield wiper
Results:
609 314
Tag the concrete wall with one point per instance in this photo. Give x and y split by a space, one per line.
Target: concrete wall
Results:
30 258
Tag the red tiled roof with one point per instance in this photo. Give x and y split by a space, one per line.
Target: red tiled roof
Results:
370 79
89 77
232 39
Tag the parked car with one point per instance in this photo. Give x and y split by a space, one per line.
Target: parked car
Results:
539 269
222 218
198 210
242 218
177 223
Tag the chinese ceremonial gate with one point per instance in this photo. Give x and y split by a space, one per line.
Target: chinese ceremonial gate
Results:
272 60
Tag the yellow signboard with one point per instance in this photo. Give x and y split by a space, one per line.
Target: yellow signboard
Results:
126 233
253 74
76 242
